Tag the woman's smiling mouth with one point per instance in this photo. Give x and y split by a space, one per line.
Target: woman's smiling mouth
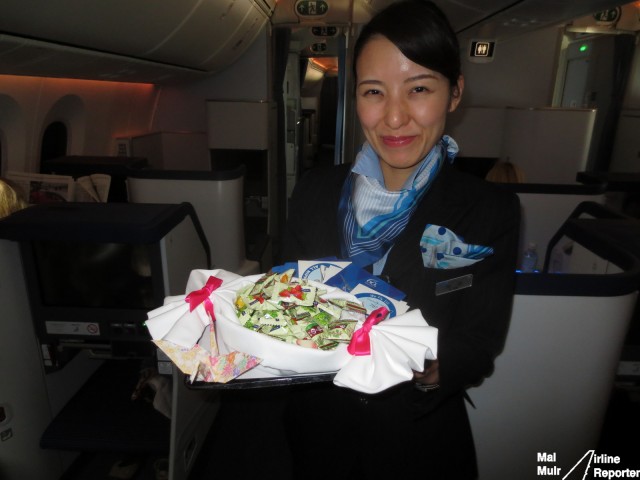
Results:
394 141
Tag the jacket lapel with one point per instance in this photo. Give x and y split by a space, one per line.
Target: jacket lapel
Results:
443 204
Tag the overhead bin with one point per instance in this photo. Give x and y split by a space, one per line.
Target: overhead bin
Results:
194 34
29 57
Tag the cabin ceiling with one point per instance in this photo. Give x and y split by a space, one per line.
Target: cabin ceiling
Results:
501 19
128 40
471 19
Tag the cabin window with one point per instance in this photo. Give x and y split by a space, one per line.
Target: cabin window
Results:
54 143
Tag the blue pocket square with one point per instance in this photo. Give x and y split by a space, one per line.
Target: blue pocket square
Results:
441 248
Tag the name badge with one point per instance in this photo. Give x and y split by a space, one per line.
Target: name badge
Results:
453 284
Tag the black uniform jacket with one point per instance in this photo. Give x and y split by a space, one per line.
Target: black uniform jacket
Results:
472 322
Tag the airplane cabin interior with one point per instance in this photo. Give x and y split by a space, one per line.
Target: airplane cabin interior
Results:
150 140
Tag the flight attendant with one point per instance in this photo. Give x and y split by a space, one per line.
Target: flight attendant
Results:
448 240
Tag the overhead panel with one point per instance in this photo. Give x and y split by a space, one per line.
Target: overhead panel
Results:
460 13
20 56
239 36
117 26
317 40
498 18
313 12
199 35
502 19
210 28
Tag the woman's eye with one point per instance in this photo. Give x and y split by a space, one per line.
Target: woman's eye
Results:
420 89
371 91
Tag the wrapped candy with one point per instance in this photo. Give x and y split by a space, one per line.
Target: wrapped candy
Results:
297 312
266 342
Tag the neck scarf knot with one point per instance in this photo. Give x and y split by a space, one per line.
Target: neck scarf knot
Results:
372 216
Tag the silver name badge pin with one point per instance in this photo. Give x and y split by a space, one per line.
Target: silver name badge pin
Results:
453 284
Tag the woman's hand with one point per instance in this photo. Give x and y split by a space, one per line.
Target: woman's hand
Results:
430 375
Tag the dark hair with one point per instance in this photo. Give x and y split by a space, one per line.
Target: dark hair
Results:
421 32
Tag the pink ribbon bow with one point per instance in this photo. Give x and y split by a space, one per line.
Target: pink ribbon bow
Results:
360 343
196 297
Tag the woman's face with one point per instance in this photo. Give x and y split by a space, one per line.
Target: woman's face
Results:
402 107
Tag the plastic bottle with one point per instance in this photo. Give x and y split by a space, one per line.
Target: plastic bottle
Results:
530 259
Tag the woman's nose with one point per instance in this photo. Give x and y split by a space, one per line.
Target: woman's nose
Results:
396 114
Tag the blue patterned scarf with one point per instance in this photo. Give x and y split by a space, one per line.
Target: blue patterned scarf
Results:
372 216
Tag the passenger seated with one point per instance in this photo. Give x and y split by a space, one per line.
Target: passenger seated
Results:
10 198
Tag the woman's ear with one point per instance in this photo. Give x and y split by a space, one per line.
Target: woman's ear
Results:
456 94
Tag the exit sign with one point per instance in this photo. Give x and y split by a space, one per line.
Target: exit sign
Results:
311 8
324 31
608 16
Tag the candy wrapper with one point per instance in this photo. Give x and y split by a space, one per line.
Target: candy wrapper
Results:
370 290
204 333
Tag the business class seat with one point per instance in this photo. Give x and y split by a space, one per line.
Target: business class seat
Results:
217 198
553 380
545 207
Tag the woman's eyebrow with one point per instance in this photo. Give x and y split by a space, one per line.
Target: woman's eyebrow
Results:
415 78
422 76
370 82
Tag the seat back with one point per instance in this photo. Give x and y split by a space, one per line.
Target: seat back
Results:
545 207
217 198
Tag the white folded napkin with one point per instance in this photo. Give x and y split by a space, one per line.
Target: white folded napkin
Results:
399 345
174 322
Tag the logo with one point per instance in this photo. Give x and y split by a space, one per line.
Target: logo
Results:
590 466
316 272
371 282
372 301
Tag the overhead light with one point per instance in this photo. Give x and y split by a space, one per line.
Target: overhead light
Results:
326 64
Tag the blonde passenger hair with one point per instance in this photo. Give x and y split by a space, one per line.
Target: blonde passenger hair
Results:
10 200
505 172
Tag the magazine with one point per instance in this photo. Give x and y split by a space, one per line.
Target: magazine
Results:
44 188
93 188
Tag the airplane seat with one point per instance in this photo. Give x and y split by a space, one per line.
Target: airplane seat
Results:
217 197
588 209
75 353
114 166
546 206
